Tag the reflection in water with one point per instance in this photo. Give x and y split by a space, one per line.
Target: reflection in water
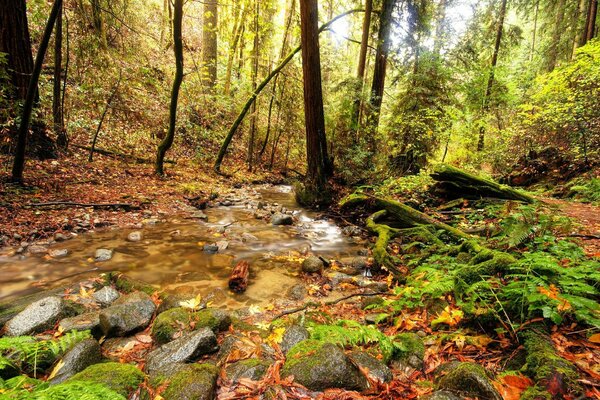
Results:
171 256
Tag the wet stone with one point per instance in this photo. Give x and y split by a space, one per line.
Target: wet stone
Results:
281 219
88 321
135 236
441 395
106 296
36 317
377 370
187 347
210 248
37 249
297 292
58 253
253 369
81 356
193 382
312 264
129 313
292 336
469 379
59 237
103 255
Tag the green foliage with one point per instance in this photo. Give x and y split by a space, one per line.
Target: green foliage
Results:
586 190
22 387
529 222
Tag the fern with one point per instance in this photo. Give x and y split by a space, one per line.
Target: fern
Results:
75 390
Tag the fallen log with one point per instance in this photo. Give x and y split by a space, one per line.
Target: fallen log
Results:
238 282
455 183
124 206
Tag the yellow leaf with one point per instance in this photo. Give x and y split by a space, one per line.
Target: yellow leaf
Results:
192 304
276 336
56 369
448 317
459 340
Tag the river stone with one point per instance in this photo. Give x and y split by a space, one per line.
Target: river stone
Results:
319 366
222 245
252 368
84 322
376 370
106 296
36 317
129 313
37 249
103 255
282 219
339 277
58 253
119 377
292 336
169 323
248 237
440 395
468 379
187 347
412 352
81 356
297 292
210 248
194 382
135 236
312 264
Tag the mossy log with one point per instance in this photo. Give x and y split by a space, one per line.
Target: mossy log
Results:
456 183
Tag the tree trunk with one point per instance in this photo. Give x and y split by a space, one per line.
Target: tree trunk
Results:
581 11
57 112
238 281
314 119
19 161
16 43
209 43
535 23
237 32
98 22
178 50
590 22
250 156
362 61
440 36
490 83
556 35
379 69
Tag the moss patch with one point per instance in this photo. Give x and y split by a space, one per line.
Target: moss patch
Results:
196 381
169 322
121 378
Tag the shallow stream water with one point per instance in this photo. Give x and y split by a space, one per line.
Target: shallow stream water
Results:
171 255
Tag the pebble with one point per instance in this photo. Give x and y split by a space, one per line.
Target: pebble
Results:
135 236
58 253
103 255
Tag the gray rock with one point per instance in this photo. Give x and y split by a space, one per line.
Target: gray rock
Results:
37 249
248 237
319 366
440 395
469 379
412 355
297 292
210 248
377 286
36 317
81 356
281 219
187 347
292 336
88 321
360 263
199 215
252 368
106 296
129 313
312 264
193 382
135 236
103 255
371 301
59 237
338 277
58 253
377 370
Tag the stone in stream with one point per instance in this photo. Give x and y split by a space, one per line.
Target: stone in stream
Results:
106 296
248 237
319 366
297 292
187 347
84 322
171 322
281 219
135 236
103 255
58 253
37 249
222 245
376 370
129 313
190 382
81 356
210 248
312 264
292 336
59 237
121 378
252 368
468 379
36 317
412 354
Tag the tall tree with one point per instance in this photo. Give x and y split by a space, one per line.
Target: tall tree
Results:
379 69
98 23
490 82
167 142
362 61
316 143
19 160
590 22
238 28
556 35
16 44
57 111
209 42
250 155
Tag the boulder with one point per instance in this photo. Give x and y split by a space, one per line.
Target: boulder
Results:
376 370
210 248
252 368
468 379
81 356
129 313
292 336
103 255
312 264
36 317
121 378
168 323
187 347
412 354
297 292
319 366
281 219
194 382
88 321
106 296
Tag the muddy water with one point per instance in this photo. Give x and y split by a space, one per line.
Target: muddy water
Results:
171 254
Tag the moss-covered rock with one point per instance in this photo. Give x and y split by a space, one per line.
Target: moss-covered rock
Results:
121 378
410 351
535 393
320 366
126 284
175 320
468 379
196 381
251 368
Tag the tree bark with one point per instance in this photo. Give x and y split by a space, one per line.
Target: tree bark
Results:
106 108
250 155
379 69
314 119
19 161
16 43
209 43
167 142
490 82
57 111
590 26
238 281
237 32
535 23
556 35
440 36
98 22
362 61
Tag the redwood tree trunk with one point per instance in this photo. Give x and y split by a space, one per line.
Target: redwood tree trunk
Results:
209 43
556 35
362 61
590 23
316 143
16 43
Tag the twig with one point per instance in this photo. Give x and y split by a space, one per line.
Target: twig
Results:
124 206
327 303
585 237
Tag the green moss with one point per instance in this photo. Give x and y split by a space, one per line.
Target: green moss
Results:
535 393
121 378
303 348
169 322
197 381
24 382
127 285
543 363
409 347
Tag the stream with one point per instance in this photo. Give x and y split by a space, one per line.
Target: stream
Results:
171 254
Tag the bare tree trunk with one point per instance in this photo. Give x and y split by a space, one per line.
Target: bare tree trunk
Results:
250 156
209 43
113 93
535 23
19 160
57 111
237 32
581 11
556 35
167 142
16 44
490 83
362 60
590 22
316 143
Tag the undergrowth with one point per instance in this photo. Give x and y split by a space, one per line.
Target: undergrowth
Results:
23 387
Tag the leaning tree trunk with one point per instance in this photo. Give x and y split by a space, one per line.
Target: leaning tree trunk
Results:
490 82
98 23
167 142
209 43
16 44
19 161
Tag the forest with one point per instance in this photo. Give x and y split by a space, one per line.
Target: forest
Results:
299 199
